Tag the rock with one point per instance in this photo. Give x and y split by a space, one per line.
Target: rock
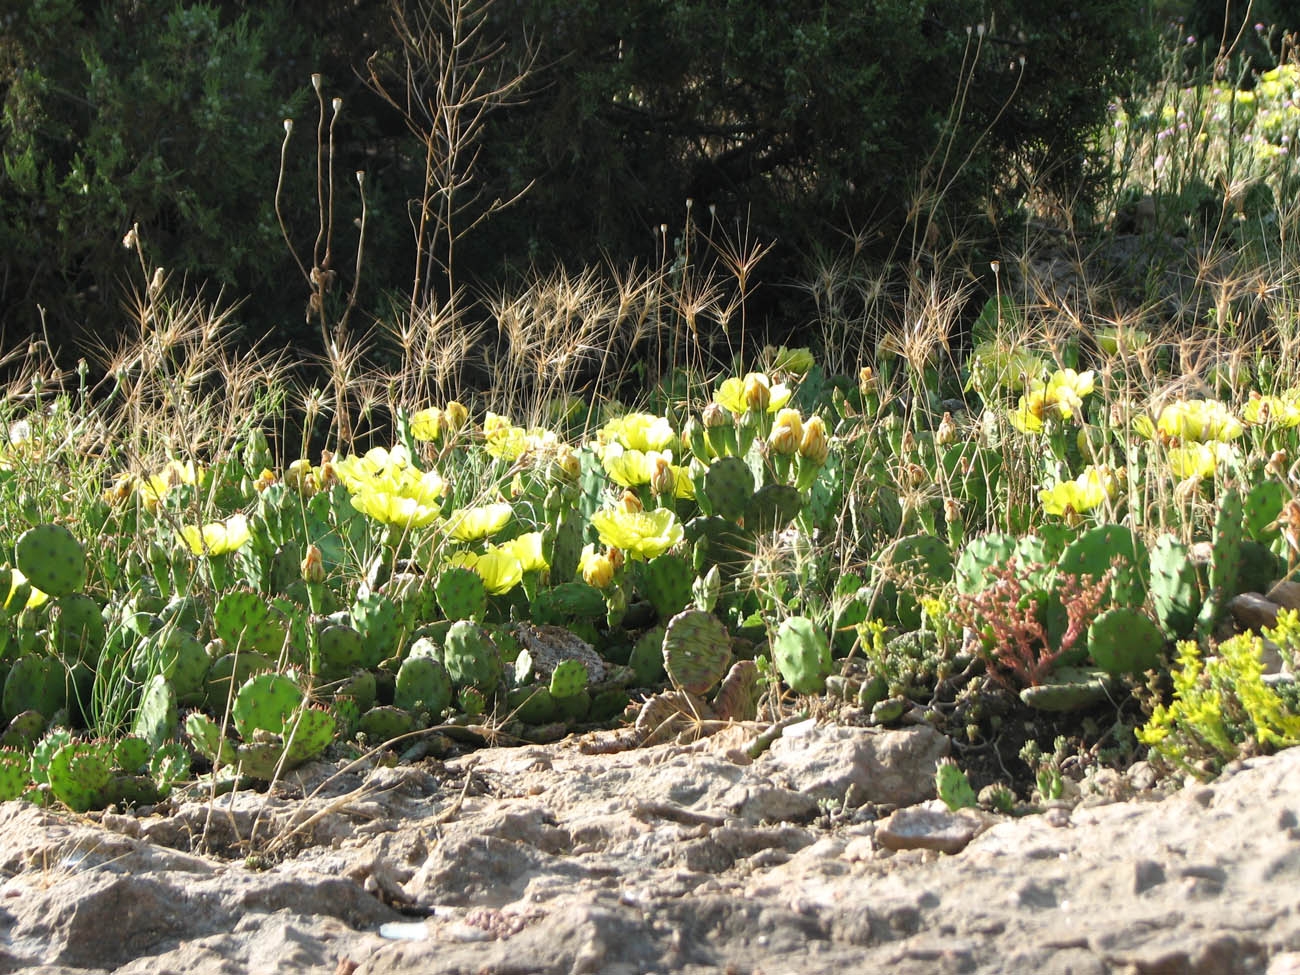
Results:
1285 594
1252 611
929 827
860 765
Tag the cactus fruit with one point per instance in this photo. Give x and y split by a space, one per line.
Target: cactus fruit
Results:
952 786
728 487
13 774
737 697
696 651
666 582
568 678
471 658
1124 641
155 719
802 655
52 559
1175 594
422 685
378 620
461 594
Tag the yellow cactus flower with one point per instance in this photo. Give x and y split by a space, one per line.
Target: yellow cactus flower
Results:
390 508
35 597
468 524
1197 459
456 415
742 395
1059 397
428 424
497 567
596 568
641 534
814 444
1094 486
994 366
1198 421
218 538
640 431
1277 411
527 548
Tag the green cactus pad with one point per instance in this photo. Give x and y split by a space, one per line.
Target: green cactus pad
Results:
231 670
568 601
132 754
155 719
471 701
716 541
471 658
78 773
24 731
341 651
989 551
422 685
533 704
52 559
567 679
264 703
1099 549
461 594
728 487
205 735
647 659
1125 641
35 683
772 508
666 582
1071 689
953 787
246 621
802 655
383 724
696 651
379 621
360 688
77 628
566 550
168 765
308 733
13 774
179 657
575 707
1175 591
1261 508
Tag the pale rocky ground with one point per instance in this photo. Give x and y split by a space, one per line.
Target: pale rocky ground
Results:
668 859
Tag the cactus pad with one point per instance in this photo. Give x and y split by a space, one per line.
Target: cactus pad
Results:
52 559
461 594
737 697
696 651
422 685
264 703
802 655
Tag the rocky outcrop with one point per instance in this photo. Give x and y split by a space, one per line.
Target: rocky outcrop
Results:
819 856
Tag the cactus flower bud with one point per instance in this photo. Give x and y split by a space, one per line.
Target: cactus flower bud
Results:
615 556
455 414
264 480
630 503
813 445
662 479
757 392
786 433
715 415
947 431
598 572
313 567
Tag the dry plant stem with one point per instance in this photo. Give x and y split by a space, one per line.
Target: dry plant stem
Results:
451 78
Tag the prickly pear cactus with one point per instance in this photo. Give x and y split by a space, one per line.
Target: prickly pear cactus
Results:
568 678
13 774
696 651
245 620
1070 689
77 630
1225 559
384 723
471 657
378 620
666 582
772 508
461 594
953 787
533 704
802 655
1125 641
728 487
35 683
264 703
422 685
341 651
155 719
1108 547
737 697
1175 592
78 773
52 559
